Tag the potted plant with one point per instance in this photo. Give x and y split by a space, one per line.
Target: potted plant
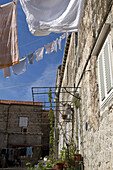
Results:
77 156
59 164
74 152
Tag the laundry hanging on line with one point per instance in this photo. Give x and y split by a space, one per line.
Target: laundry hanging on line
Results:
59 43
39 53
48 48
54 45
9 12
30 58
21 67
9 53
6 72
29 152
44 17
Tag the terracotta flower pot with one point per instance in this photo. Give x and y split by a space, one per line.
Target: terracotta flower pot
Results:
64 116
59 166
77 157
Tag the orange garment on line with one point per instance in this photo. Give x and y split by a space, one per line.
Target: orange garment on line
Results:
9 52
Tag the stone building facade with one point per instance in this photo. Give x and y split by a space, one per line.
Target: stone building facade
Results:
22 132
88 68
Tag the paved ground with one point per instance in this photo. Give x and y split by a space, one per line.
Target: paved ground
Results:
15 168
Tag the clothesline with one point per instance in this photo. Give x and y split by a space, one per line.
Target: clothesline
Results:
66 19
63 36
15 0
24 84
35 41
21 67
9 54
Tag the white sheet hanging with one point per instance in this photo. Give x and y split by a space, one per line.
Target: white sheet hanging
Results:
45 16
6 72
39 53
30 58
21 67
48 48
54 46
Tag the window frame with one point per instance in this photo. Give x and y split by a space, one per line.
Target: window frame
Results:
108 95
21 123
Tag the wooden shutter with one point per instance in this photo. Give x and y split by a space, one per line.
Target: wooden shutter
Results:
107 67
101 77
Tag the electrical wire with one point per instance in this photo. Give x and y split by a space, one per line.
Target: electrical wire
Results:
3 88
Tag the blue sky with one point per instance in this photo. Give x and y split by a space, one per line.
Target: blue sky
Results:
42 73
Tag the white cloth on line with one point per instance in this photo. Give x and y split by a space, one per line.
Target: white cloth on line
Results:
6 72
30 58
39 54
67 34
48 48
46 16
21 67
54 45
63 36
59 43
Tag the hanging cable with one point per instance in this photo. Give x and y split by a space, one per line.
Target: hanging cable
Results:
23 84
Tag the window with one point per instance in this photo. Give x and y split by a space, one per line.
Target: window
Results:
24 130
23 121
105 72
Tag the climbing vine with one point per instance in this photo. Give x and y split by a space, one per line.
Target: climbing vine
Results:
51 118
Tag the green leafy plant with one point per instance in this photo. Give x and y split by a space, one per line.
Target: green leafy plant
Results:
50 163
76 102
28 164
59 160
63 153
51 118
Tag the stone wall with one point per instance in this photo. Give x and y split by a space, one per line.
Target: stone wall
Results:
96 140
46 130
34 130
96 146
3 121
14 136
